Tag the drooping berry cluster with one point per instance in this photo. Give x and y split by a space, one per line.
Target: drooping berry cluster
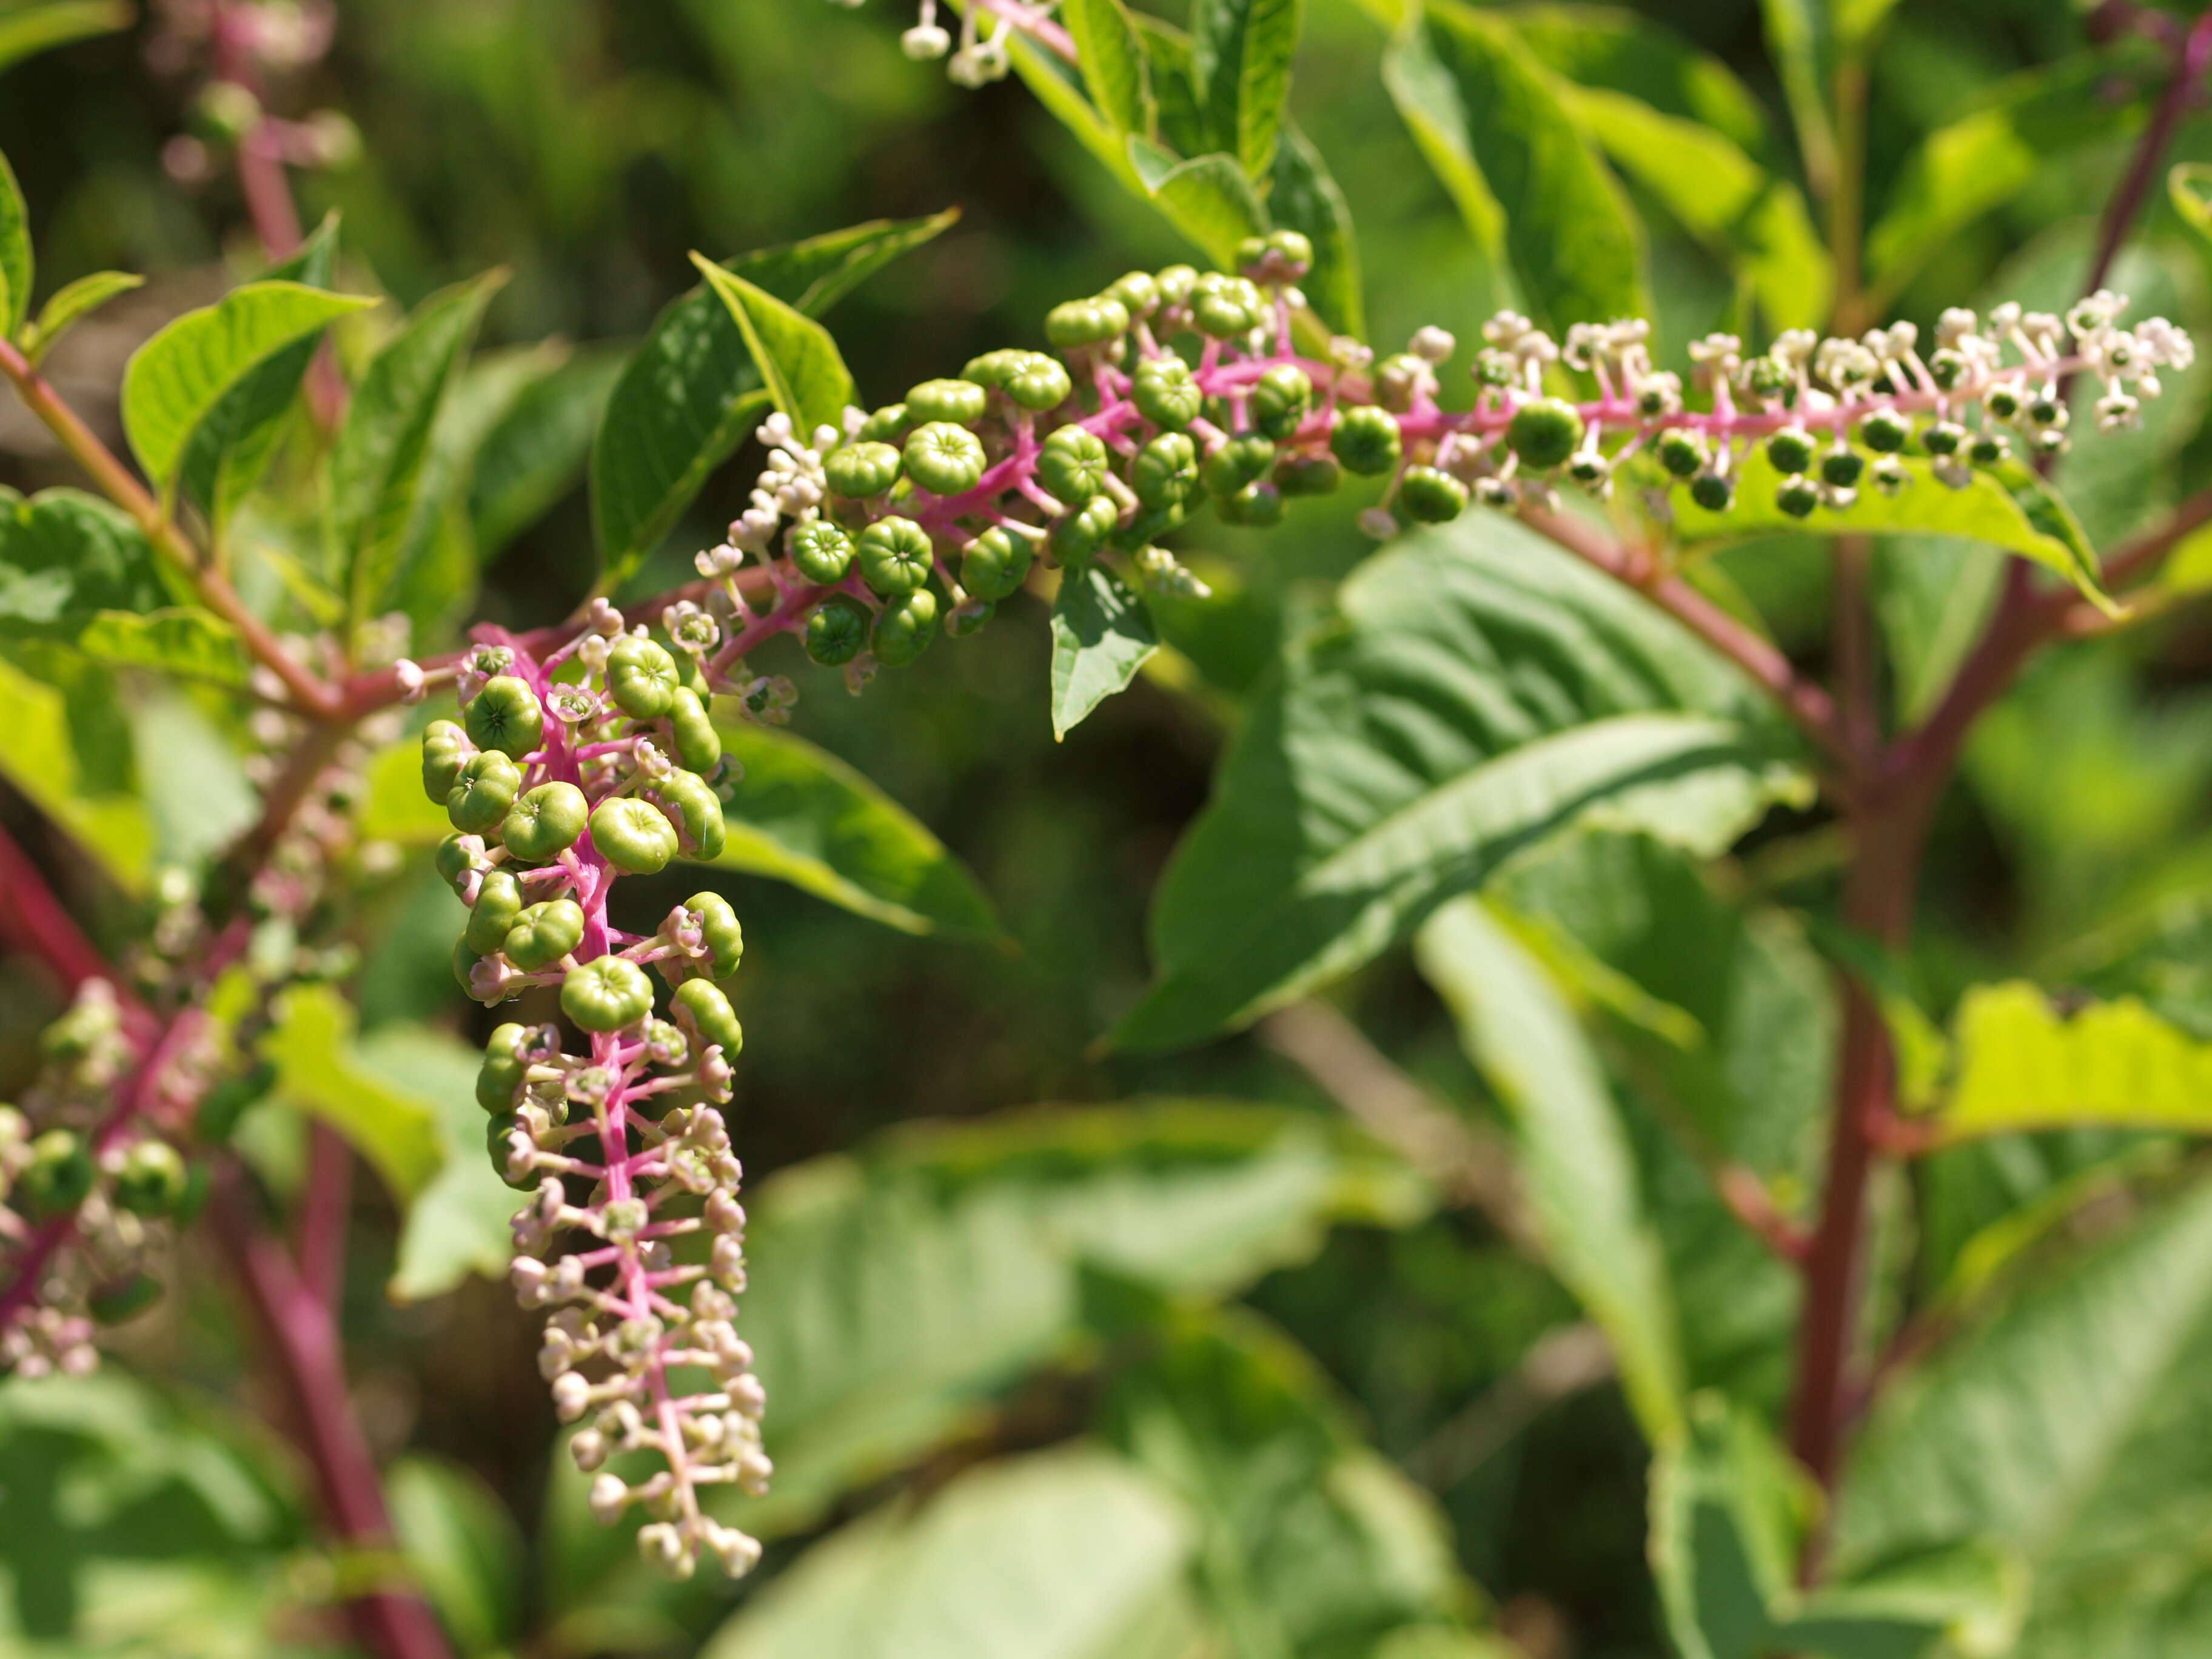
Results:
561 777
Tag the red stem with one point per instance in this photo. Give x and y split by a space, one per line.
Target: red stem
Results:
325 1209
2190 61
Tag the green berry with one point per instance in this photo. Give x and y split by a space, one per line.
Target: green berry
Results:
505 715
1712 492
1165 393
968 618
1220 313
696 809
1988 449
886 426
1139 294
543 933
1885 431
1399 379
896 556
1166 470
1943 437
700 1004
698 744
1842 467
59 1177
641 678
1307 475
904 628
1429 495
1682 453
990 370
497 1129
1071 466
1797 497
1258 503
1082 323
1082 532
504 1068
1365 440
1544 433
821 552
1295 251
606 995
464 960
1176 284
961 401
1038 382
1236 463
483 790
454 859
1945 367
153 1179
1281 399
445 746
864 470
547 820
993 565
719 928
1790 449
836 630
2002 401
943 459
633 835
499 902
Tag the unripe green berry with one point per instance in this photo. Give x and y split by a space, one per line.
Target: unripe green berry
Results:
1236 463
463 961
1797 496
719 930
1770 378
1430 496
1220 313
1281 399
454 860
59 1177
499 902
700 1004
1166 470
1544 433
1790 450
2002 401
633 835
961 401
1842 468
1139 294
1295 250
504 1068
505 715
1682 453
1307 475
866 468
1082 533
1942 438
993 565
1164 392
968 618
1398 379
547 820
821 552
1947 367
1889 474
1258 503
885 426
2047 411
1885 431
698 744
606 995
1080 323
1988 449
943 459
497 1130
543 933
641 678
896 556
1712 492
691 801
1038 382
1175 283
904 628
153 1179
837 630
1071 466
445 746
483 790
991 370
1366 439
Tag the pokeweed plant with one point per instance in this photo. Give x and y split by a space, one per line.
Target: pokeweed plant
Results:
1482 701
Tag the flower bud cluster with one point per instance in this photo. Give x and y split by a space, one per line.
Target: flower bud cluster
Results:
561 777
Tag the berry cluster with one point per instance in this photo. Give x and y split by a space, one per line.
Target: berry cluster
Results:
562 776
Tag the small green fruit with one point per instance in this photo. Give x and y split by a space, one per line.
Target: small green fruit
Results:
606 995
943 459
896 556
505 715
633 835
547 821
1544 433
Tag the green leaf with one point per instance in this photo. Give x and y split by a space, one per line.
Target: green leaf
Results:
64 557
79 299
2005 506
1102 634
17 261
1482 692
536 452
377 460
40 760
801 814
1241 52
1981 160
798 360
395 809
1757 222
1208 199
175 381
1800 39
32 30
1113 61
2071 1426
320 1071
456 1224
1933 595
1525 176
189 643
814 274
1303 197
1063 1554
2188 185
462 1546
1619 52
1575 1159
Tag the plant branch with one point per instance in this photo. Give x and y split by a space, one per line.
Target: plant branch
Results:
2191 57
35 919
325 1208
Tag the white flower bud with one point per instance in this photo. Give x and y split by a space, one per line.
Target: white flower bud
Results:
610 1497
572 1395
1434 344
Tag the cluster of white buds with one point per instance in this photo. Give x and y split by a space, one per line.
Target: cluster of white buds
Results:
791 485
980 58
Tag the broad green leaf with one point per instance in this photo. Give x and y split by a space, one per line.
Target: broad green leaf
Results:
536 452
1756 222
193 644
1208 199
234 442
64 557
1525 174
377 460
801 814
2023 1065
1575 1160
1064 1554
456 1224
2188 186
26 32
1981 160
395 808
689 394
1801 41
176 380
70 305
1058 86
1932 595
1481 692
1101 633
1241 52
798 360
39 758
1729 1513
1113 61
17 262
2072 1426
462 1546
2006 506
1617 50
1303 197
321 1072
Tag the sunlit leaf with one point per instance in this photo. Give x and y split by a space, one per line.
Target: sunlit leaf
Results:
1303 197
395 808
798 360
1102 634
70 305
17 262
195 645
1241 55
40 760
64 557
456 1224
1113 60
321 1071
1208 199
30 30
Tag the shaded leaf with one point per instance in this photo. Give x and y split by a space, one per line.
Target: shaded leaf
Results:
1241 52
1101 633
462 1546
17 262
1801 44
64 557
70 305
1208 199
798 360
456 1224
1617 50
319 1071
1303 197
33 29
812 274
535 454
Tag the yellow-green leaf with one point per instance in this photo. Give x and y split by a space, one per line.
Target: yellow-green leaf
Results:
797 358
319 1071
37 758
